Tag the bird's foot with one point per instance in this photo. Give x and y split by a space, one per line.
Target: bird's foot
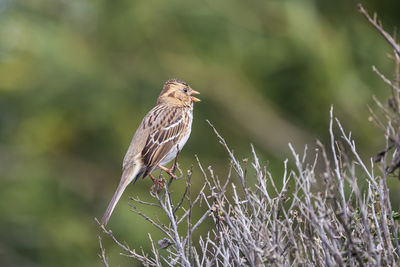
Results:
159 182
168 171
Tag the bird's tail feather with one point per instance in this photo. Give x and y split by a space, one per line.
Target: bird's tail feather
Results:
126 179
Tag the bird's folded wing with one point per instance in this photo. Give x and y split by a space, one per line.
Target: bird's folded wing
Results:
166 133
160 130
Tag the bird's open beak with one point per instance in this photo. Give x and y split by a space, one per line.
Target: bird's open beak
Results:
195 99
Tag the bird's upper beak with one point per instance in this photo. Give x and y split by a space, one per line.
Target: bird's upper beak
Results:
195 99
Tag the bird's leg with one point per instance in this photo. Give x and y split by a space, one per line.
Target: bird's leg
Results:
168 171
159 182
155 181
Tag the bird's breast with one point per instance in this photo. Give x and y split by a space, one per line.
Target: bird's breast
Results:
188 117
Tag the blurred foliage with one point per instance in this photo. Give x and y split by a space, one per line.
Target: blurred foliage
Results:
77 77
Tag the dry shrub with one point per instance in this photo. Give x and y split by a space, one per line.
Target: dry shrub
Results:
325 219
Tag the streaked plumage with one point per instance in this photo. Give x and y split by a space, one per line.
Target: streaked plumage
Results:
163 131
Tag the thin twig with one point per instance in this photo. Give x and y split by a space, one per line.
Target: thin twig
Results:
386 80
385 35
103 252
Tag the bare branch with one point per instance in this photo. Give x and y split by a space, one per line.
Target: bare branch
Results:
385 35
103 252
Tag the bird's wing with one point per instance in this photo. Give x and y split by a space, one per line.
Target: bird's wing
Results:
166 133
160 130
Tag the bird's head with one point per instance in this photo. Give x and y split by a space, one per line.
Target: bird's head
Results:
177 93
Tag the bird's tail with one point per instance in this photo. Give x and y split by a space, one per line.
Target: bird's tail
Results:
126 179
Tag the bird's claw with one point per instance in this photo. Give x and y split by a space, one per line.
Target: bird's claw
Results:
159 182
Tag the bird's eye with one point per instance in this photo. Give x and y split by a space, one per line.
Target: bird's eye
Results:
185 90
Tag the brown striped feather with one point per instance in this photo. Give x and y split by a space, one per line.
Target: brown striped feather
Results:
166 134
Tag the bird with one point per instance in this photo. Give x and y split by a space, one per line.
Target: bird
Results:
160 136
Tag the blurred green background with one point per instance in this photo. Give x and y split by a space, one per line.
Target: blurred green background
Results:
77 77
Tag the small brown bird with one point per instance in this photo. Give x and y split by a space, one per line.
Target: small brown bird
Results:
162 133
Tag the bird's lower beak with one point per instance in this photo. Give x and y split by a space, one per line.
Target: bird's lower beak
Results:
195 99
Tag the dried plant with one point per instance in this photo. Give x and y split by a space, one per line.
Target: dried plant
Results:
319 216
